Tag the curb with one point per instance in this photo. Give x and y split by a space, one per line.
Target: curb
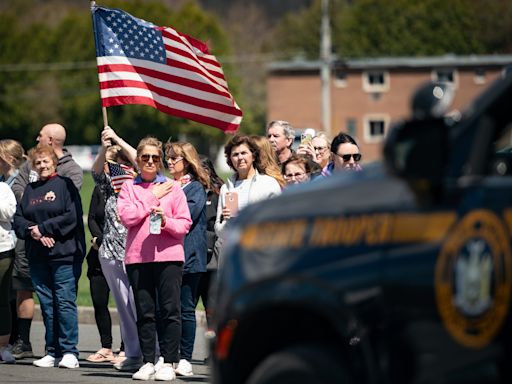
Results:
86 316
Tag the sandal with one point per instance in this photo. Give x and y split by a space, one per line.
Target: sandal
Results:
99 357
119 358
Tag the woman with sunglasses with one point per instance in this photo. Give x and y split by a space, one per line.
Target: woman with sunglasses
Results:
154 210
185 167
345 155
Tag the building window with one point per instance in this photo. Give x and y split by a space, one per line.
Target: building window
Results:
340 80
447 76
479 76
352 127
375 127
376 81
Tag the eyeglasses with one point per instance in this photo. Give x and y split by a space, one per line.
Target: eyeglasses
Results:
320 149
346 158
155 158
296 176
174 159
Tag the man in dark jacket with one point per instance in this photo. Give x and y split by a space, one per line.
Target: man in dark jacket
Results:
55 136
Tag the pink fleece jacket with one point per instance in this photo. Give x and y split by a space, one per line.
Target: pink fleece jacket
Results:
134 205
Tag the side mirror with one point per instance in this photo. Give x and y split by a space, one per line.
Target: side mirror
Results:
418 150
432 100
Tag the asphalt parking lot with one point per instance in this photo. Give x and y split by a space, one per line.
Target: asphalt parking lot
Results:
24 372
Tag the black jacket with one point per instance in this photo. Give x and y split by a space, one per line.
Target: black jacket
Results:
96 222
55 206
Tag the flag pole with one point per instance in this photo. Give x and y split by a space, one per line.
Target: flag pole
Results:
103 109
105 117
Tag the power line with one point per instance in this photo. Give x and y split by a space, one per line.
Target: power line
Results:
79 65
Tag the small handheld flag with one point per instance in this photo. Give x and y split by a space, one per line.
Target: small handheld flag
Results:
119 173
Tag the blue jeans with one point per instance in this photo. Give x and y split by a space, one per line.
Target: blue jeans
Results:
189 290
56 284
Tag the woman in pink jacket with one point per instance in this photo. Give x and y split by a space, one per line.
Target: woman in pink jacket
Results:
155 211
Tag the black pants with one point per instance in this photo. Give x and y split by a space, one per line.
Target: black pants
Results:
203 290
99 294
151 282
6 265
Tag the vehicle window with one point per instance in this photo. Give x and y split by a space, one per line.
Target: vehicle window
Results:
501 162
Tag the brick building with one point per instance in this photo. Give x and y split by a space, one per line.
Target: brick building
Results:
367 95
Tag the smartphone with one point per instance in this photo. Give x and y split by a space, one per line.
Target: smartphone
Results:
307 136
305 139
155 223
232 203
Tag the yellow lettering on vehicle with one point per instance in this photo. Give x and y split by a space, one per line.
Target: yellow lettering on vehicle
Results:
289 234
371 230
417 227
367 229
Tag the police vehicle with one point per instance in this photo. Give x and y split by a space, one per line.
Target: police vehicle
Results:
398 274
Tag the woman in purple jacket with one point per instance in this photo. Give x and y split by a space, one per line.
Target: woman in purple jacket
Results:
155 211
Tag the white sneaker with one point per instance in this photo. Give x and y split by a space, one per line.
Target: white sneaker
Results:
159 363
146 372
165 372
69 361
6 355
184 368
45 362
129 364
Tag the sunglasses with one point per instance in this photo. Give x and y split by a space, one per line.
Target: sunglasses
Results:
346 158
320 149
155 158
174 159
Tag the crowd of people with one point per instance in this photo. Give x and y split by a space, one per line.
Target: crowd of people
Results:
155 241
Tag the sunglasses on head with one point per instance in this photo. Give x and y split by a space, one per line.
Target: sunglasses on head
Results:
356 156
156 158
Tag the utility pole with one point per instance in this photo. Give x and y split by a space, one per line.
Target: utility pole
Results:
325 71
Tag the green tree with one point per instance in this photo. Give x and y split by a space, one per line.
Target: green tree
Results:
400 28
36 37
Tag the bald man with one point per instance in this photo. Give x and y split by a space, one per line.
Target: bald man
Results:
53 135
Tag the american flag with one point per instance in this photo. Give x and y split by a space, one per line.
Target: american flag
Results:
119 173
140 63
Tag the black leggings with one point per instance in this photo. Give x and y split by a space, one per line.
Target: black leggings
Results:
203 290
99 294
6 264
152 282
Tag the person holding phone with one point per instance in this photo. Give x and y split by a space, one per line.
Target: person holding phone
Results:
248 183
185 167
154 262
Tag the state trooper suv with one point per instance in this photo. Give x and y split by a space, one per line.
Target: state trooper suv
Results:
398 274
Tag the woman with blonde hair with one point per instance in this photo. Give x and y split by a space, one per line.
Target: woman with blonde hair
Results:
268 163
186 168
12 156
155 212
